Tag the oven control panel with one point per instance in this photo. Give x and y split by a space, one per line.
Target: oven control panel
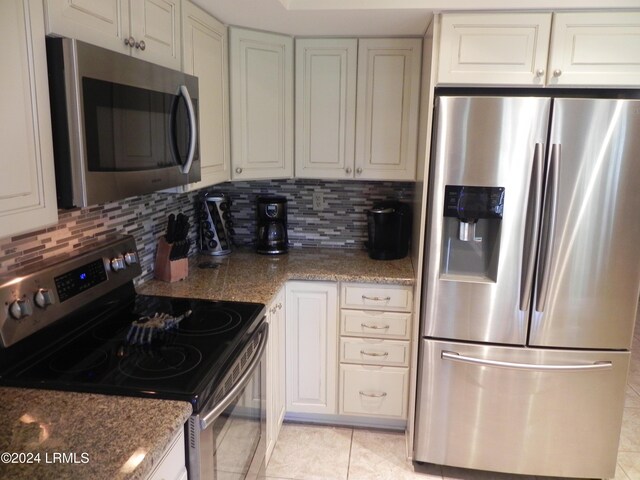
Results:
32 299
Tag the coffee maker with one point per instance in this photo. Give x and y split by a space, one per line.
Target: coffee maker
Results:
389 229
272 225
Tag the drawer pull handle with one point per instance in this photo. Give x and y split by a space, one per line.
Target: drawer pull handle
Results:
374 327
374 354
373 395
376 299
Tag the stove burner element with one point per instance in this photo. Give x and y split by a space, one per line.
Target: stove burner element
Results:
159 363
143 330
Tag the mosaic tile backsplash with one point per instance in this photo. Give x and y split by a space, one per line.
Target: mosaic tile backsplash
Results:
340 224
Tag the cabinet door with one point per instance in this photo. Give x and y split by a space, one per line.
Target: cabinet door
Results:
100 22
312 347
276 400
595 48
204 42
387 108
495 48
27 182
156 26
261 72
325 107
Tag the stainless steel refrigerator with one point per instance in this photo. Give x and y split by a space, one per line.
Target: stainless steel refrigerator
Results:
531 284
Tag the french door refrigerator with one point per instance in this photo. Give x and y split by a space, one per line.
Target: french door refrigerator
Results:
531 284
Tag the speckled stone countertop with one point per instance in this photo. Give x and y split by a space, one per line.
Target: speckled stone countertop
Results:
249 277
114 432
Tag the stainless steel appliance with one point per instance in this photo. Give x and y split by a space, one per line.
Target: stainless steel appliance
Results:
121 126
389 230
78 325
531 283
272 225
216 224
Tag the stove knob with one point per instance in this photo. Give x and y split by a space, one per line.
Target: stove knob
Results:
130 258
118 264
20 309
43 298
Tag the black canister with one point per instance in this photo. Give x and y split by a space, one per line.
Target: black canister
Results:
389 228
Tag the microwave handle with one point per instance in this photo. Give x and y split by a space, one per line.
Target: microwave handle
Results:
192 128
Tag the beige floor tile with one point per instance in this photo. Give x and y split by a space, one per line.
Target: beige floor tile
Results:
381 455
632 398
629 463
309 452
620 473
630 435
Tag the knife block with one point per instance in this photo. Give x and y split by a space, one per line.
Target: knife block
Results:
169 270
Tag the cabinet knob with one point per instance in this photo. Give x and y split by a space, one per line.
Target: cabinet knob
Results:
141 45
238 170
557 72
540 72
130 42
358 170
348 170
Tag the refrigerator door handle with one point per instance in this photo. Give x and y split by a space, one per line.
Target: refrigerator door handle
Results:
549 227
531 228
456 357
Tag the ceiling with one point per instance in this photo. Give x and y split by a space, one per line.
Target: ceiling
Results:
368 17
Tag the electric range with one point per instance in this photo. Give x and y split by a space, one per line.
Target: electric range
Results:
77 324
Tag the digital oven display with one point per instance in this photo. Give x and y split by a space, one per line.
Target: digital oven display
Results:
77 281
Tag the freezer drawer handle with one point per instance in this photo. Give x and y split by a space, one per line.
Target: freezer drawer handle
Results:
456 357
373 395
374 327
376 299
374 354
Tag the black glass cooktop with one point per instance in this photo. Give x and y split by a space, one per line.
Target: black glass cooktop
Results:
92 352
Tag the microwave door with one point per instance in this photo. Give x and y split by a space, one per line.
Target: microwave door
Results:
177 134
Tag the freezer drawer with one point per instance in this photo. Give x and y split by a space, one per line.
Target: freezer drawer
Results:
526 418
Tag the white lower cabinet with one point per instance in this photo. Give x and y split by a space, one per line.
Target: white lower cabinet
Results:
373 390
311 347
276 395
171 465
374 350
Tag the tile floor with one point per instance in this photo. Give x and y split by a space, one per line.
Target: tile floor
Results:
308 452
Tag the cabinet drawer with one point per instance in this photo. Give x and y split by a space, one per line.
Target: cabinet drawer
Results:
373 391
377 297
362 323
171 466
374 352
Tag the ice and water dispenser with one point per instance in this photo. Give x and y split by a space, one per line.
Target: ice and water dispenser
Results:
471 231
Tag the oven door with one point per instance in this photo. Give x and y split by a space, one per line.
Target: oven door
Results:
227 440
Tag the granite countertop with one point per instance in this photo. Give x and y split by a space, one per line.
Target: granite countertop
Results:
249 277
109 437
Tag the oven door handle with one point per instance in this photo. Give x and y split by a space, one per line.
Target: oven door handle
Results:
242 382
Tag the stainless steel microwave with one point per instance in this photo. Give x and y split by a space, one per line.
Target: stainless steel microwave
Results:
121 126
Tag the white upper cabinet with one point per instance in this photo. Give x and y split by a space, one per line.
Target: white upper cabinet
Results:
357 108
325 107
204 43
495 48
595 48
387 108
599 49
27 182
261 83
148 29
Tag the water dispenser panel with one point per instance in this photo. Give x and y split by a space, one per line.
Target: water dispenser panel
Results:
468 203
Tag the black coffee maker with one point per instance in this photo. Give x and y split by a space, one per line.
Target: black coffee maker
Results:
389 228
272 225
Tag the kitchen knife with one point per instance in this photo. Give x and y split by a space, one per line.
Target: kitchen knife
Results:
171 229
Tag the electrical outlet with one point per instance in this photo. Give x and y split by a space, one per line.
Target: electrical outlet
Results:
318 201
